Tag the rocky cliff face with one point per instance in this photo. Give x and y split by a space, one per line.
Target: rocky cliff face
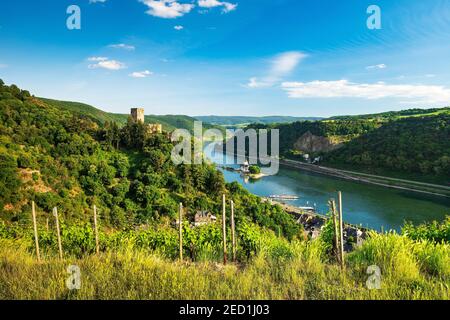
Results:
311 144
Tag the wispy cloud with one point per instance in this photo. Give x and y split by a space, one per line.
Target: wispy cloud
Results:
96 1
379 90
2 65
141 74
377 66
105 63
95 59
168 9
281 66
226 6
122 46
178 28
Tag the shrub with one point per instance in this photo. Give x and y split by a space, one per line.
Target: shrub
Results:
434 231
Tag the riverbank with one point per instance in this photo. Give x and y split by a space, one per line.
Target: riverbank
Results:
408 185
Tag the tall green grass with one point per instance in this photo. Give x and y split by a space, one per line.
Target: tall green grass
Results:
275 269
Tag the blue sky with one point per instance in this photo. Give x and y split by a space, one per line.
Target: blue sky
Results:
243 57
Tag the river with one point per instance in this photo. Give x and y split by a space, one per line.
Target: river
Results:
368 205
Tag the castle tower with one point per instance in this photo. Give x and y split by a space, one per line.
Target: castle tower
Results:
137 114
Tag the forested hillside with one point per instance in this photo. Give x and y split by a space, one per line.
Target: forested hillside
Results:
341 130
62 158
412 143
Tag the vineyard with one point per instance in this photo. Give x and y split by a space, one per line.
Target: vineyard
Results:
144 264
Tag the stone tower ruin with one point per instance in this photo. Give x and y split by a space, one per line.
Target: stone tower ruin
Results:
137 114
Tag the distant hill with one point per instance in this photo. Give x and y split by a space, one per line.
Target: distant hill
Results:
169 122
391 115
240 120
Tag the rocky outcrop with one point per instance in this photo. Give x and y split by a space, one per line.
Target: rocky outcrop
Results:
311 144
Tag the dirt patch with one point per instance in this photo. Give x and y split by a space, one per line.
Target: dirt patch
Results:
8 207
28 177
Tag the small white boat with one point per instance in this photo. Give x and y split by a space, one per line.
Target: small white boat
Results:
307 208
284 197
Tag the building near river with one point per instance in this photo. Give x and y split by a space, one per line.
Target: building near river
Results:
245 167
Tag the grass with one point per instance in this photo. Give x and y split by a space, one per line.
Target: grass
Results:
280 270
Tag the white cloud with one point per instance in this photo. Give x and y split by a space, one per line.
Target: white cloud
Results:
379 90
141 74
122 46
105 63
95 1
282 65
377 66
168 9
178 28
227 6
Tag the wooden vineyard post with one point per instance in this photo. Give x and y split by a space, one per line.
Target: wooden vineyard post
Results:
336 235
233 231
224 230
58 232
341 230
97 247
36 238
180 231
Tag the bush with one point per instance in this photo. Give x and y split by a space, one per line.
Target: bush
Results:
434 231
255 170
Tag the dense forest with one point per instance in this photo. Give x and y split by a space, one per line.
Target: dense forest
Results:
57 157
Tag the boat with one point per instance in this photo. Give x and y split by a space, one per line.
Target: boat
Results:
307 209
284 197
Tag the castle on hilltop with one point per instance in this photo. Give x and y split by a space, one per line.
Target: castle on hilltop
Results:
137 115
